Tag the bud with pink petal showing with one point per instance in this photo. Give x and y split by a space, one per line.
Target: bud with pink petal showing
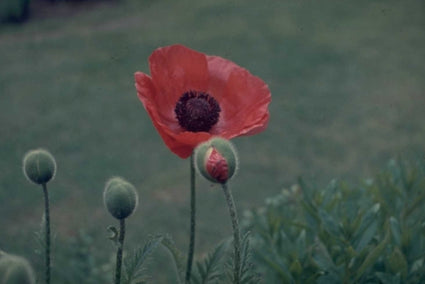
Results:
216 160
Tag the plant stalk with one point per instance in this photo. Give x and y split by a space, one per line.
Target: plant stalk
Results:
119 251
47 232
191 249
236 233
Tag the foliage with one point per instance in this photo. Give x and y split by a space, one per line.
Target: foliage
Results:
134 271
210 268
370 233
177 257
217 265
83 264
77 261
248 273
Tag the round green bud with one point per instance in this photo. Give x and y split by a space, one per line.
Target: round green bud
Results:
15 270
39 166
120 198
216 160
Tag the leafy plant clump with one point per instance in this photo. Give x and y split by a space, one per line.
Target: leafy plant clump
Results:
370 233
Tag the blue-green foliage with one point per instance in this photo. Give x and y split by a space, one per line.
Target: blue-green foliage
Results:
176 256
76 261
370 233
248 272
134 269
217 265
210 269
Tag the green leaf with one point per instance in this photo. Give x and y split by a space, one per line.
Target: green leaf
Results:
387 278
397 263
416 203
134 271
312 216
296 268
330 194
367 228
372 257
177 257
301 243
417 265
273 262
329 223
367 236
248 272
210 269
329 279
322 258
395 230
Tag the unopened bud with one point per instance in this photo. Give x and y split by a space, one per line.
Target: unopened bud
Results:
39 166
15 270
120 198
216 160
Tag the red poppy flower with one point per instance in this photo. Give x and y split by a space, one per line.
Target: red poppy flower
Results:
192 97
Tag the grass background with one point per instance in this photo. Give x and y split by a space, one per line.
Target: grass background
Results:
348 93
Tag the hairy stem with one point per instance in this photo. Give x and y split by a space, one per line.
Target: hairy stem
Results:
236 234
191 249
47 233
119 251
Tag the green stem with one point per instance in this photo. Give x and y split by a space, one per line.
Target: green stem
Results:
119 251
236 234
192 220
47 232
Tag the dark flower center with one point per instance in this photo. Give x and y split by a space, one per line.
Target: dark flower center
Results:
197 111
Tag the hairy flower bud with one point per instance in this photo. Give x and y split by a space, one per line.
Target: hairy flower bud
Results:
216 160
39 166
15 270
120 198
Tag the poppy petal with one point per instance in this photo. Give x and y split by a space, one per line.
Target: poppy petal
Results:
183 143
175 70
180 143
243 97
147 94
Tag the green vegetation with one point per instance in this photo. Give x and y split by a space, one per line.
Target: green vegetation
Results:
371 233
347 95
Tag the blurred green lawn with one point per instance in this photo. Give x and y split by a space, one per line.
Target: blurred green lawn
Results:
348 93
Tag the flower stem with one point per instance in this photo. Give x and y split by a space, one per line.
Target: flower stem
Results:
192 220
47 232
119 251
236 234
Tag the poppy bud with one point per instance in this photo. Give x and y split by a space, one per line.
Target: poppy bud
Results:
15 270
216 160
120 198
39 166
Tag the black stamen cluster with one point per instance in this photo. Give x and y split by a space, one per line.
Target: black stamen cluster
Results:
197 111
